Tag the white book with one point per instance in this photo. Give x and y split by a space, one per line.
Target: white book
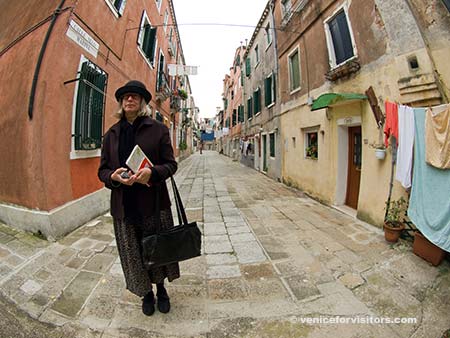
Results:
138 160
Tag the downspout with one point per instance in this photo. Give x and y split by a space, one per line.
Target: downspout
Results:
39 62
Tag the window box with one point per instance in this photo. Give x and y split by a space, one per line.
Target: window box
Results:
343 70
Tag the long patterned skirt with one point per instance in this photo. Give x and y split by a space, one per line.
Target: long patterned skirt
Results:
129 233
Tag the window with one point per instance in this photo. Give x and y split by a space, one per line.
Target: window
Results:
256 55
117 5
257 101
248 66
311 145
268 34
147 39
249 108
241 113
232 94
158 4
286 7
269 90
233 121
166 19
339 39
89 107
294 70
159 117
272 144
161 84
447 4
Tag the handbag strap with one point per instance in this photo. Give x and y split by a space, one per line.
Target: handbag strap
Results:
179 203
182 219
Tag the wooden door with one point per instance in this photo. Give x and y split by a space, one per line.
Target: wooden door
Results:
354 166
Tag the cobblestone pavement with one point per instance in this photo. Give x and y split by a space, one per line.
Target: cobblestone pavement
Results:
273 259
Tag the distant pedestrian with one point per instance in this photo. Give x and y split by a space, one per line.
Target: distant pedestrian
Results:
201 147
134 195
249 148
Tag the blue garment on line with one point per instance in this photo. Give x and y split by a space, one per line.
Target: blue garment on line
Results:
429 203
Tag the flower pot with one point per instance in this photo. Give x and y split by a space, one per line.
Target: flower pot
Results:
422 247
392 234
380 154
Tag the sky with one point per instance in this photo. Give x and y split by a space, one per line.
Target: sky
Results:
212 47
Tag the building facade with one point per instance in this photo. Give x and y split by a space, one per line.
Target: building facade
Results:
354 56
233 110
261 132
61 62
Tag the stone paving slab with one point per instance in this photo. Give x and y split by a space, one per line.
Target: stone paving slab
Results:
272 257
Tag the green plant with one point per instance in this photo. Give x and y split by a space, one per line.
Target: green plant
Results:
182 145
395 211
311 151
182 94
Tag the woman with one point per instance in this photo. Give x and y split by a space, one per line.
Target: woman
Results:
134 195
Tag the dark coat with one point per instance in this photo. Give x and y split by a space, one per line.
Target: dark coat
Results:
154 139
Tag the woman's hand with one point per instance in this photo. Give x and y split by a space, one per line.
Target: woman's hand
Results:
117 176
143 176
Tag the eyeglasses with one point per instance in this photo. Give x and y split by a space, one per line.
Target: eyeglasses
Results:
132 95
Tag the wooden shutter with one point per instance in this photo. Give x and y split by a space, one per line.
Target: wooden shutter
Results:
267 91
340 34
248 66
122 7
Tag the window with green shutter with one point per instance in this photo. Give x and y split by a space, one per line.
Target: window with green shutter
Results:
89 107
257 101
272 144
147 38
249 108
294 70
241 113
234 119
248 67
269 90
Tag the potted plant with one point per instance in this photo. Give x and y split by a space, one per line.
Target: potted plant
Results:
422 247
393 221
380 150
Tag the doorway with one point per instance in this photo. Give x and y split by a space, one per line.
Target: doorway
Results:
264 153
354 166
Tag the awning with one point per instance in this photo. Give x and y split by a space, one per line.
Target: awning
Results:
329 99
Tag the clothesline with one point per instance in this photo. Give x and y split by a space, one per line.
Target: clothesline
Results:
424 132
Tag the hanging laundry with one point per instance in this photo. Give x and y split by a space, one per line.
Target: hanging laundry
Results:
405 145
429 203
437 136
391 124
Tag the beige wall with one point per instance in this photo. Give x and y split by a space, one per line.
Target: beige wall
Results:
325 178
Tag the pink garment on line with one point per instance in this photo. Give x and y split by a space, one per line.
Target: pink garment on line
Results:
391 125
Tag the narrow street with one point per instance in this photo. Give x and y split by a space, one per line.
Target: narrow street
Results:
273 258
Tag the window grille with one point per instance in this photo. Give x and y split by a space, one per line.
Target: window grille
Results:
90 107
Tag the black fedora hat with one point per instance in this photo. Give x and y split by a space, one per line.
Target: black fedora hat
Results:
134 86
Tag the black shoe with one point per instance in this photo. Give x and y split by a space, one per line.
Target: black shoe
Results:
148 304
163 301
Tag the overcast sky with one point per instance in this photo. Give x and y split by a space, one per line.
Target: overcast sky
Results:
212 47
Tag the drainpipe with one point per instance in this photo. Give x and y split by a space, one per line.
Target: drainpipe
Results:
39 62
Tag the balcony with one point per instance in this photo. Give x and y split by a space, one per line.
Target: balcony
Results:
163 90
175 103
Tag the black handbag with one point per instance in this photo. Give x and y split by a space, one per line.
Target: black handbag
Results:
175 244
